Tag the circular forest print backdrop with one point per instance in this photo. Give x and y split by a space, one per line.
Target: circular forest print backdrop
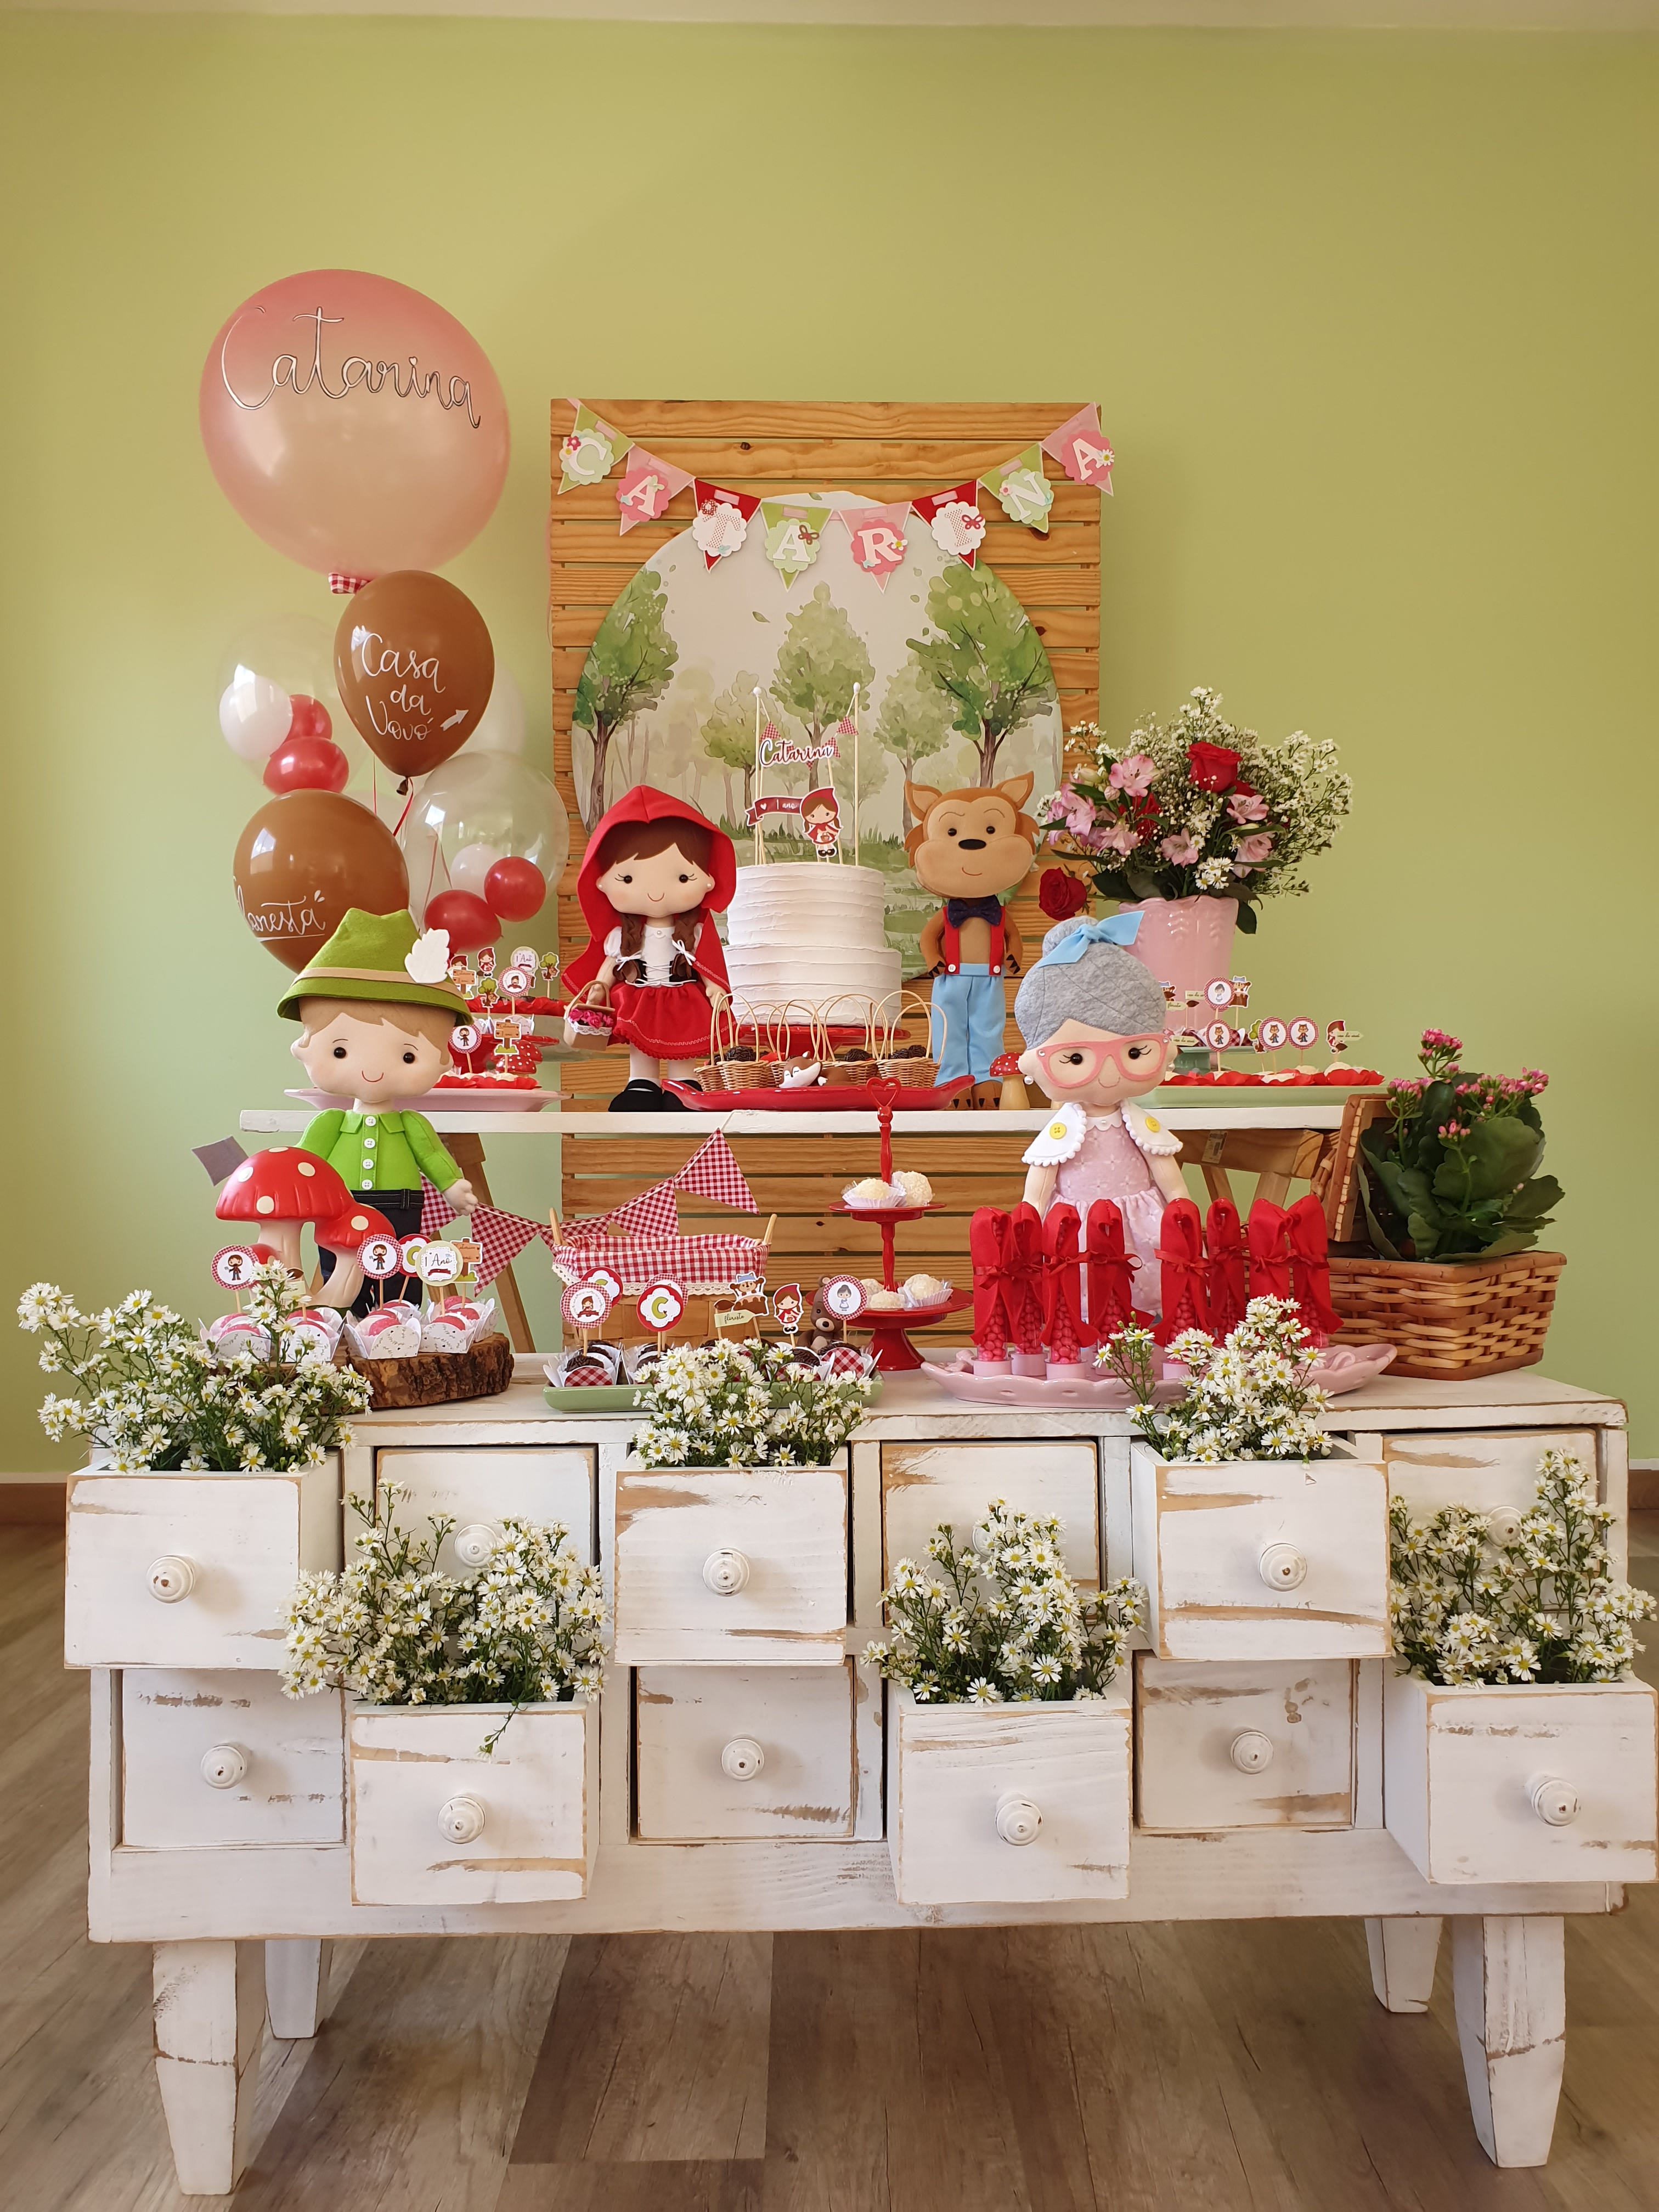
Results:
956 688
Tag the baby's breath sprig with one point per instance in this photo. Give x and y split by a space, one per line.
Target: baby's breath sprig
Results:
732 1405
1001 1620
1248 1398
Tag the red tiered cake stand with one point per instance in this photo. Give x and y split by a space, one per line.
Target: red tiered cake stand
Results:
889 1342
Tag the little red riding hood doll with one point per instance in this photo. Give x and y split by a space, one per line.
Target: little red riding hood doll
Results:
655 874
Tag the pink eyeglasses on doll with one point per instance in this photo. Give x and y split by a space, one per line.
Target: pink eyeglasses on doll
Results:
1070 1066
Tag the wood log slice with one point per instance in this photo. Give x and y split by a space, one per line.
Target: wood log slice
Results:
437 1378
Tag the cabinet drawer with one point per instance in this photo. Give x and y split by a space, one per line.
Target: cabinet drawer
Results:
731 1565
1243 1744
1262 1559
227 1759
1008 1804
437 1820
729 1752
1533 1783
481 1486
922 1485
1495 1472
191 1570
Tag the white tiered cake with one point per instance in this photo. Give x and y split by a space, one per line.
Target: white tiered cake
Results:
809 930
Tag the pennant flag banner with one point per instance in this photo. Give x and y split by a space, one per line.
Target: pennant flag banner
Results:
954 518
793 533
590 451
646 487
721 521
878 536
1080 447
712 1172
653 1213
1025 493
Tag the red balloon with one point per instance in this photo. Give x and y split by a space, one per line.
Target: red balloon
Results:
311 718
514 889
468 919
306 764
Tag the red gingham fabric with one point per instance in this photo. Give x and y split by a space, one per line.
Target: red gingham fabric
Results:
712 1172
500 1236
436 1211
702 1265
653 1213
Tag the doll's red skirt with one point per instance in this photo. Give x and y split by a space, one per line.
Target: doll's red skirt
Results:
668 1021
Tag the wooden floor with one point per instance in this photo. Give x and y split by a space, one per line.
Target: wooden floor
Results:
1219 2065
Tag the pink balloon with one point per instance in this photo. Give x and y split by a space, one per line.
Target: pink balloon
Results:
354 424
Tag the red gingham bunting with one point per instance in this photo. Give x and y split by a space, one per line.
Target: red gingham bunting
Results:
653 1213
712 1172
703 1264
436 1211
500 1236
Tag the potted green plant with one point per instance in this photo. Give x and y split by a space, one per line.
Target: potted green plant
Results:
1453 1206
1007 1727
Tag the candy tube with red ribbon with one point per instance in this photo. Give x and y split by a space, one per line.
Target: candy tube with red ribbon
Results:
1270 1251
1111 1276
1024 1259
1063 1323
987 1232
1310 1268
1180 1268
1224 1274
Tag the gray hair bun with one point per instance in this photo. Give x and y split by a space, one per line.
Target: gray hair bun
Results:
1107 989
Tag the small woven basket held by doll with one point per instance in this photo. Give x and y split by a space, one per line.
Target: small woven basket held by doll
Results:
588 1021
732 1065
914 1066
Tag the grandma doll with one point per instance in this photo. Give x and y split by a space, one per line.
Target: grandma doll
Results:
1092 1017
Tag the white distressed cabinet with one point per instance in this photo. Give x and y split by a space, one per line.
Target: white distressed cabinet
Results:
746 1769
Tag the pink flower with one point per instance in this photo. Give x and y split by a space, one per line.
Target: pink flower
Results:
1182 850
1120 838
1246 806
1072 808
1134 775
1253 849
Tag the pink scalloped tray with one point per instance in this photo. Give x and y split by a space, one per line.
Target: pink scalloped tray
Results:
1339 1368
816 1099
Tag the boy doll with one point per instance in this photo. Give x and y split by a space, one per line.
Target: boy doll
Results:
375 1009
971 847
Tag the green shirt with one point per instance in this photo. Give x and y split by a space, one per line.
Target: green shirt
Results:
380 1152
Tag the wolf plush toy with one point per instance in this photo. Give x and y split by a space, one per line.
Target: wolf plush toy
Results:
971 847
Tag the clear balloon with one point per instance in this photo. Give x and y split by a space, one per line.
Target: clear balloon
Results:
501 725
354 424
254 715
277 661
479 803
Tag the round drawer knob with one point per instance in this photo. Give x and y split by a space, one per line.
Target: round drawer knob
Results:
1250 1751
726 1572
1283 1566
171 1577
1504 1523
461 1821
742 1758
475 1544
223 1765
1555 1801
1018 1820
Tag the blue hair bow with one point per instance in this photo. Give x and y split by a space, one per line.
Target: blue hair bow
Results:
1108 929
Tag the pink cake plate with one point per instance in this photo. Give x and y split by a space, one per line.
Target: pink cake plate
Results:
1339 1368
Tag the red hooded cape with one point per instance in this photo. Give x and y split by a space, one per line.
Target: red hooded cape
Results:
642 804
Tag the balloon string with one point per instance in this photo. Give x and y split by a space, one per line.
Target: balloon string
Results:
403 816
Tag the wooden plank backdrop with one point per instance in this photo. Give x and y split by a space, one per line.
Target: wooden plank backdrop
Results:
885 451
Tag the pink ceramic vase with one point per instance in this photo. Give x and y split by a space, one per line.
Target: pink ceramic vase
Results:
1187 942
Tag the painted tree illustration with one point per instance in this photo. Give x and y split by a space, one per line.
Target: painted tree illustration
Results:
821 659
629 665
987 659
728 737
915 719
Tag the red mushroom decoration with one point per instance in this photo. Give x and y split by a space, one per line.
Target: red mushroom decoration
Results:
279 1191
344 1236
1005 1066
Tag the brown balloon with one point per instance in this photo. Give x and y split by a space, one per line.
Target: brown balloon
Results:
415 666
303 859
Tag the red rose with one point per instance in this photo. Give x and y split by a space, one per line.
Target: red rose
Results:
1212 768
1060 894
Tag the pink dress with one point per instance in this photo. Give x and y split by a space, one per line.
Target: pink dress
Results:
1110 1164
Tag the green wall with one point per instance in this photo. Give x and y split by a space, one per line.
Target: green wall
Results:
1372 320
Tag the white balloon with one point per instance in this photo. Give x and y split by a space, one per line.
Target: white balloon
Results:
254 715
470 866
500 728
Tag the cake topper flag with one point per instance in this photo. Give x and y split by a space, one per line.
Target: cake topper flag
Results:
954 518
1025 493
590 450
792 535
878 537
721 521
646 487
1081 449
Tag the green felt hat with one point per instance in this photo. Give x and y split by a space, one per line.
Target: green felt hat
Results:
368 957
